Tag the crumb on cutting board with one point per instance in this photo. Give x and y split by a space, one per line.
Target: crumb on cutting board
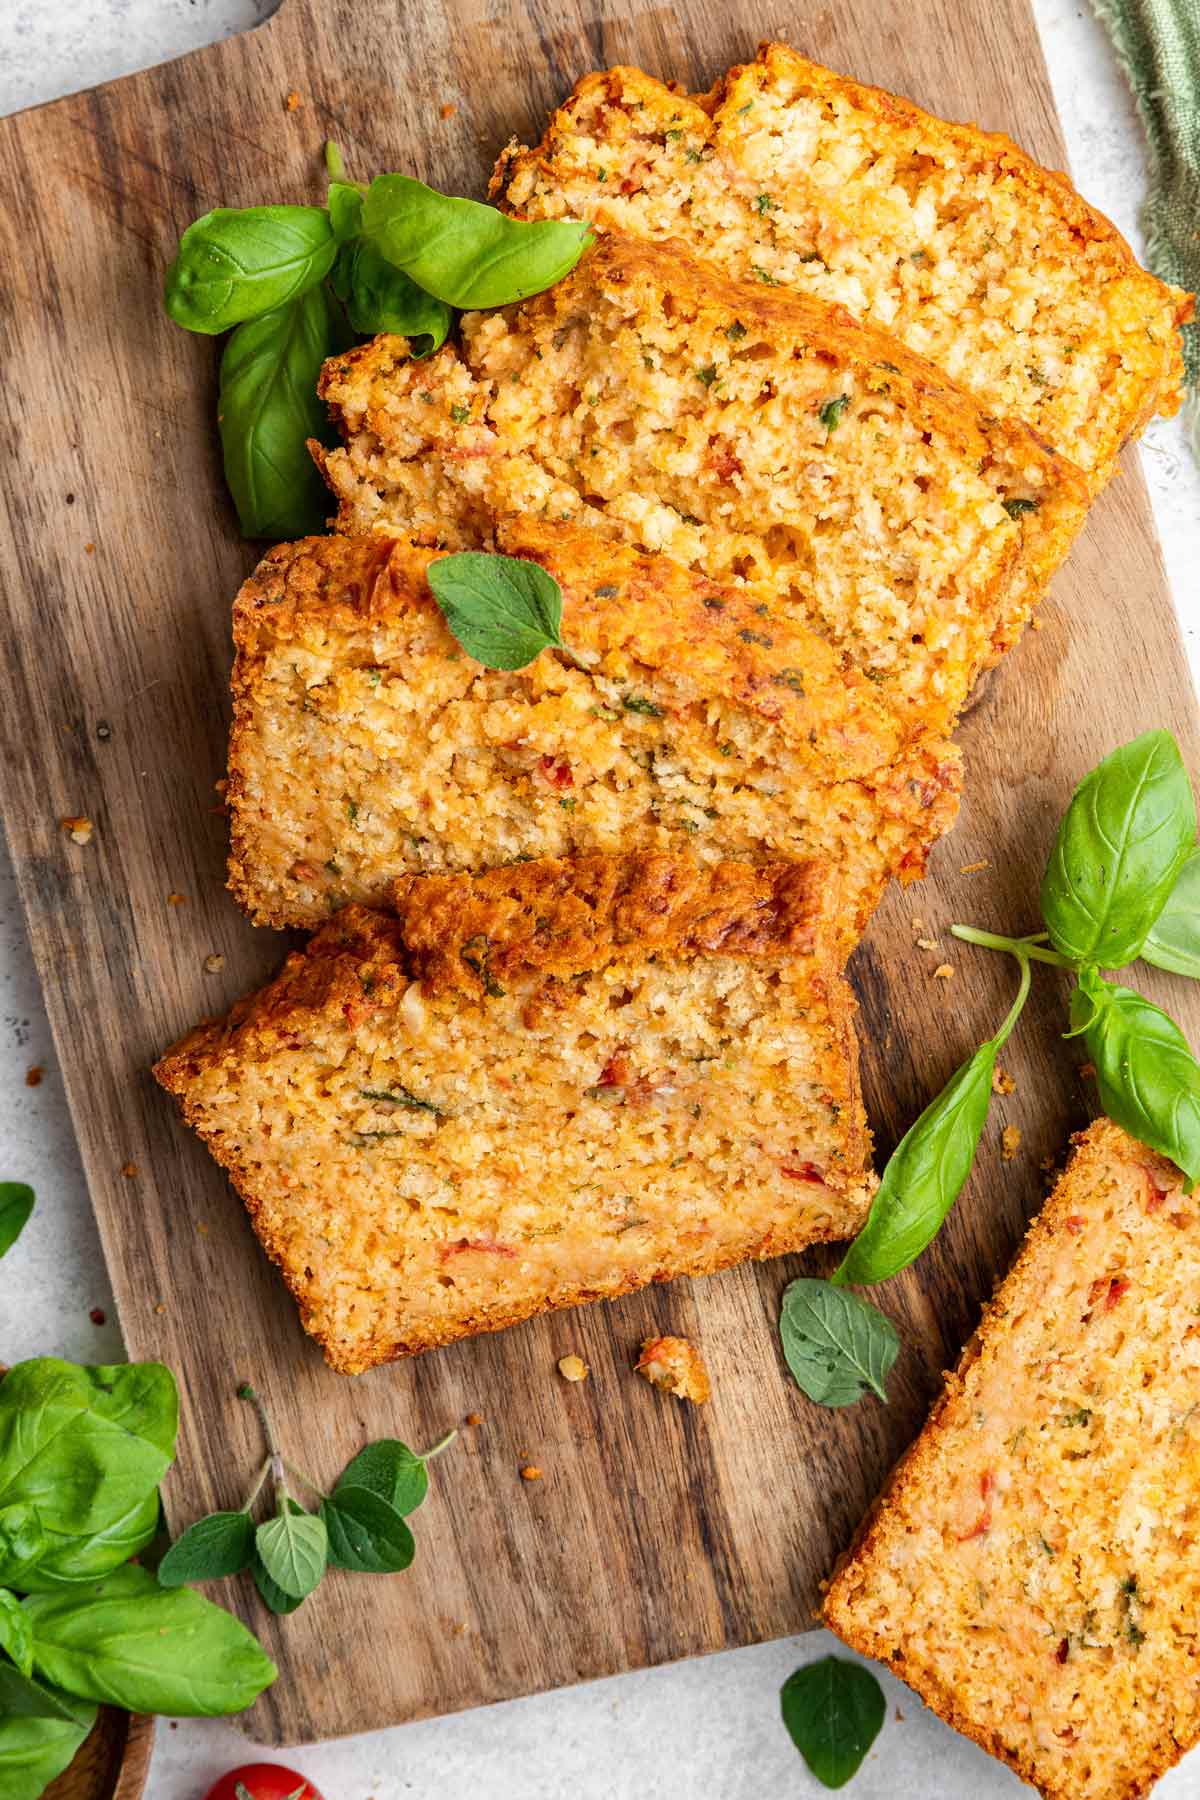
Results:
573 1368
676 1366
1010 1142
78 829
1002 1081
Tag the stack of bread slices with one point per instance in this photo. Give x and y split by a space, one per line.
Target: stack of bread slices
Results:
802 439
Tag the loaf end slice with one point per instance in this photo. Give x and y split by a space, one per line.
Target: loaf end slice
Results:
1031 1567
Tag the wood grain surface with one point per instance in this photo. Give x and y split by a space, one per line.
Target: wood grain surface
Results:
112 1763
659 1531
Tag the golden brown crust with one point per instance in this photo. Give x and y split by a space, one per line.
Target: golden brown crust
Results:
566 917
716 122
1102 1147
614 599
350 993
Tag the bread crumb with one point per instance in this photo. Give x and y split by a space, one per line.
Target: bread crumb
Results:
213 964
1035 624
33 1076
531 1472
1002 1081
293 103
926 943
1010 1142
573 1368
202 1228
160 1308
448 110
676 1366
918 924
474 1419
974 868
176 899
80 829
944 972
129 1170
89 549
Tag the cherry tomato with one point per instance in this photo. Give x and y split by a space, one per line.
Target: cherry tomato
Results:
263 1781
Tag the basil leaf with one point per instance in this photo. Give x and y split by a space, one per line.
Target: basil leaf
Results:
127 1642
465 253
836 1345
1174 940
34 1751
345 202
85 1447
924 1175
391 1470
95 1553
271 1593
834 1710
503 610
1149 1081
235 265
366 1533
16 1204
293 1549
221 1544
22 1540
15 1635
268 410
1122 842
380 297
24 1698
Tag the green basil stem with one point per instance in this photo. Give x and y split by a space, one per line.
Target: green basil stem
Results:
442 1444
1020 947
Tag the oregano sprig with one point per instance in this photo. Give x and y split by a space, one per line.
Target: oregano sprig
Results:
1122 879
361 1525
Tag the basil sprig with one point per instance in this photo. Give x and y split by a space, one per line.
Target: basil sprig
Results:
299 283
467 255
234 265
16 1206
82 1452
1173 941
1123 841
268 409
926 1171
1123 877
834 1710
503 610
1148 1079
360 1525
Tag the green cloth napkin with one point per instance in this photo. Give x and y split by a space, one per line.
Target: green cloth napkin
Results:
1158 45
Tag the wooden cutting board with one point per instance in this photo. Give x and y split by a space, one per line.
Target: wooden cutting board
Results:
658 1531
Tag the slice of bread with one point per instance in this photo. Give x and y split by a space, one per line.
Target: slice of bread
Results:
547 1084
1031 1568
366 743
989 265
764 438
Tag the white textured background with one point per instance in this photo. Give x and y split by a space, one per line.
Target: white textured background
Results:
706 1728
